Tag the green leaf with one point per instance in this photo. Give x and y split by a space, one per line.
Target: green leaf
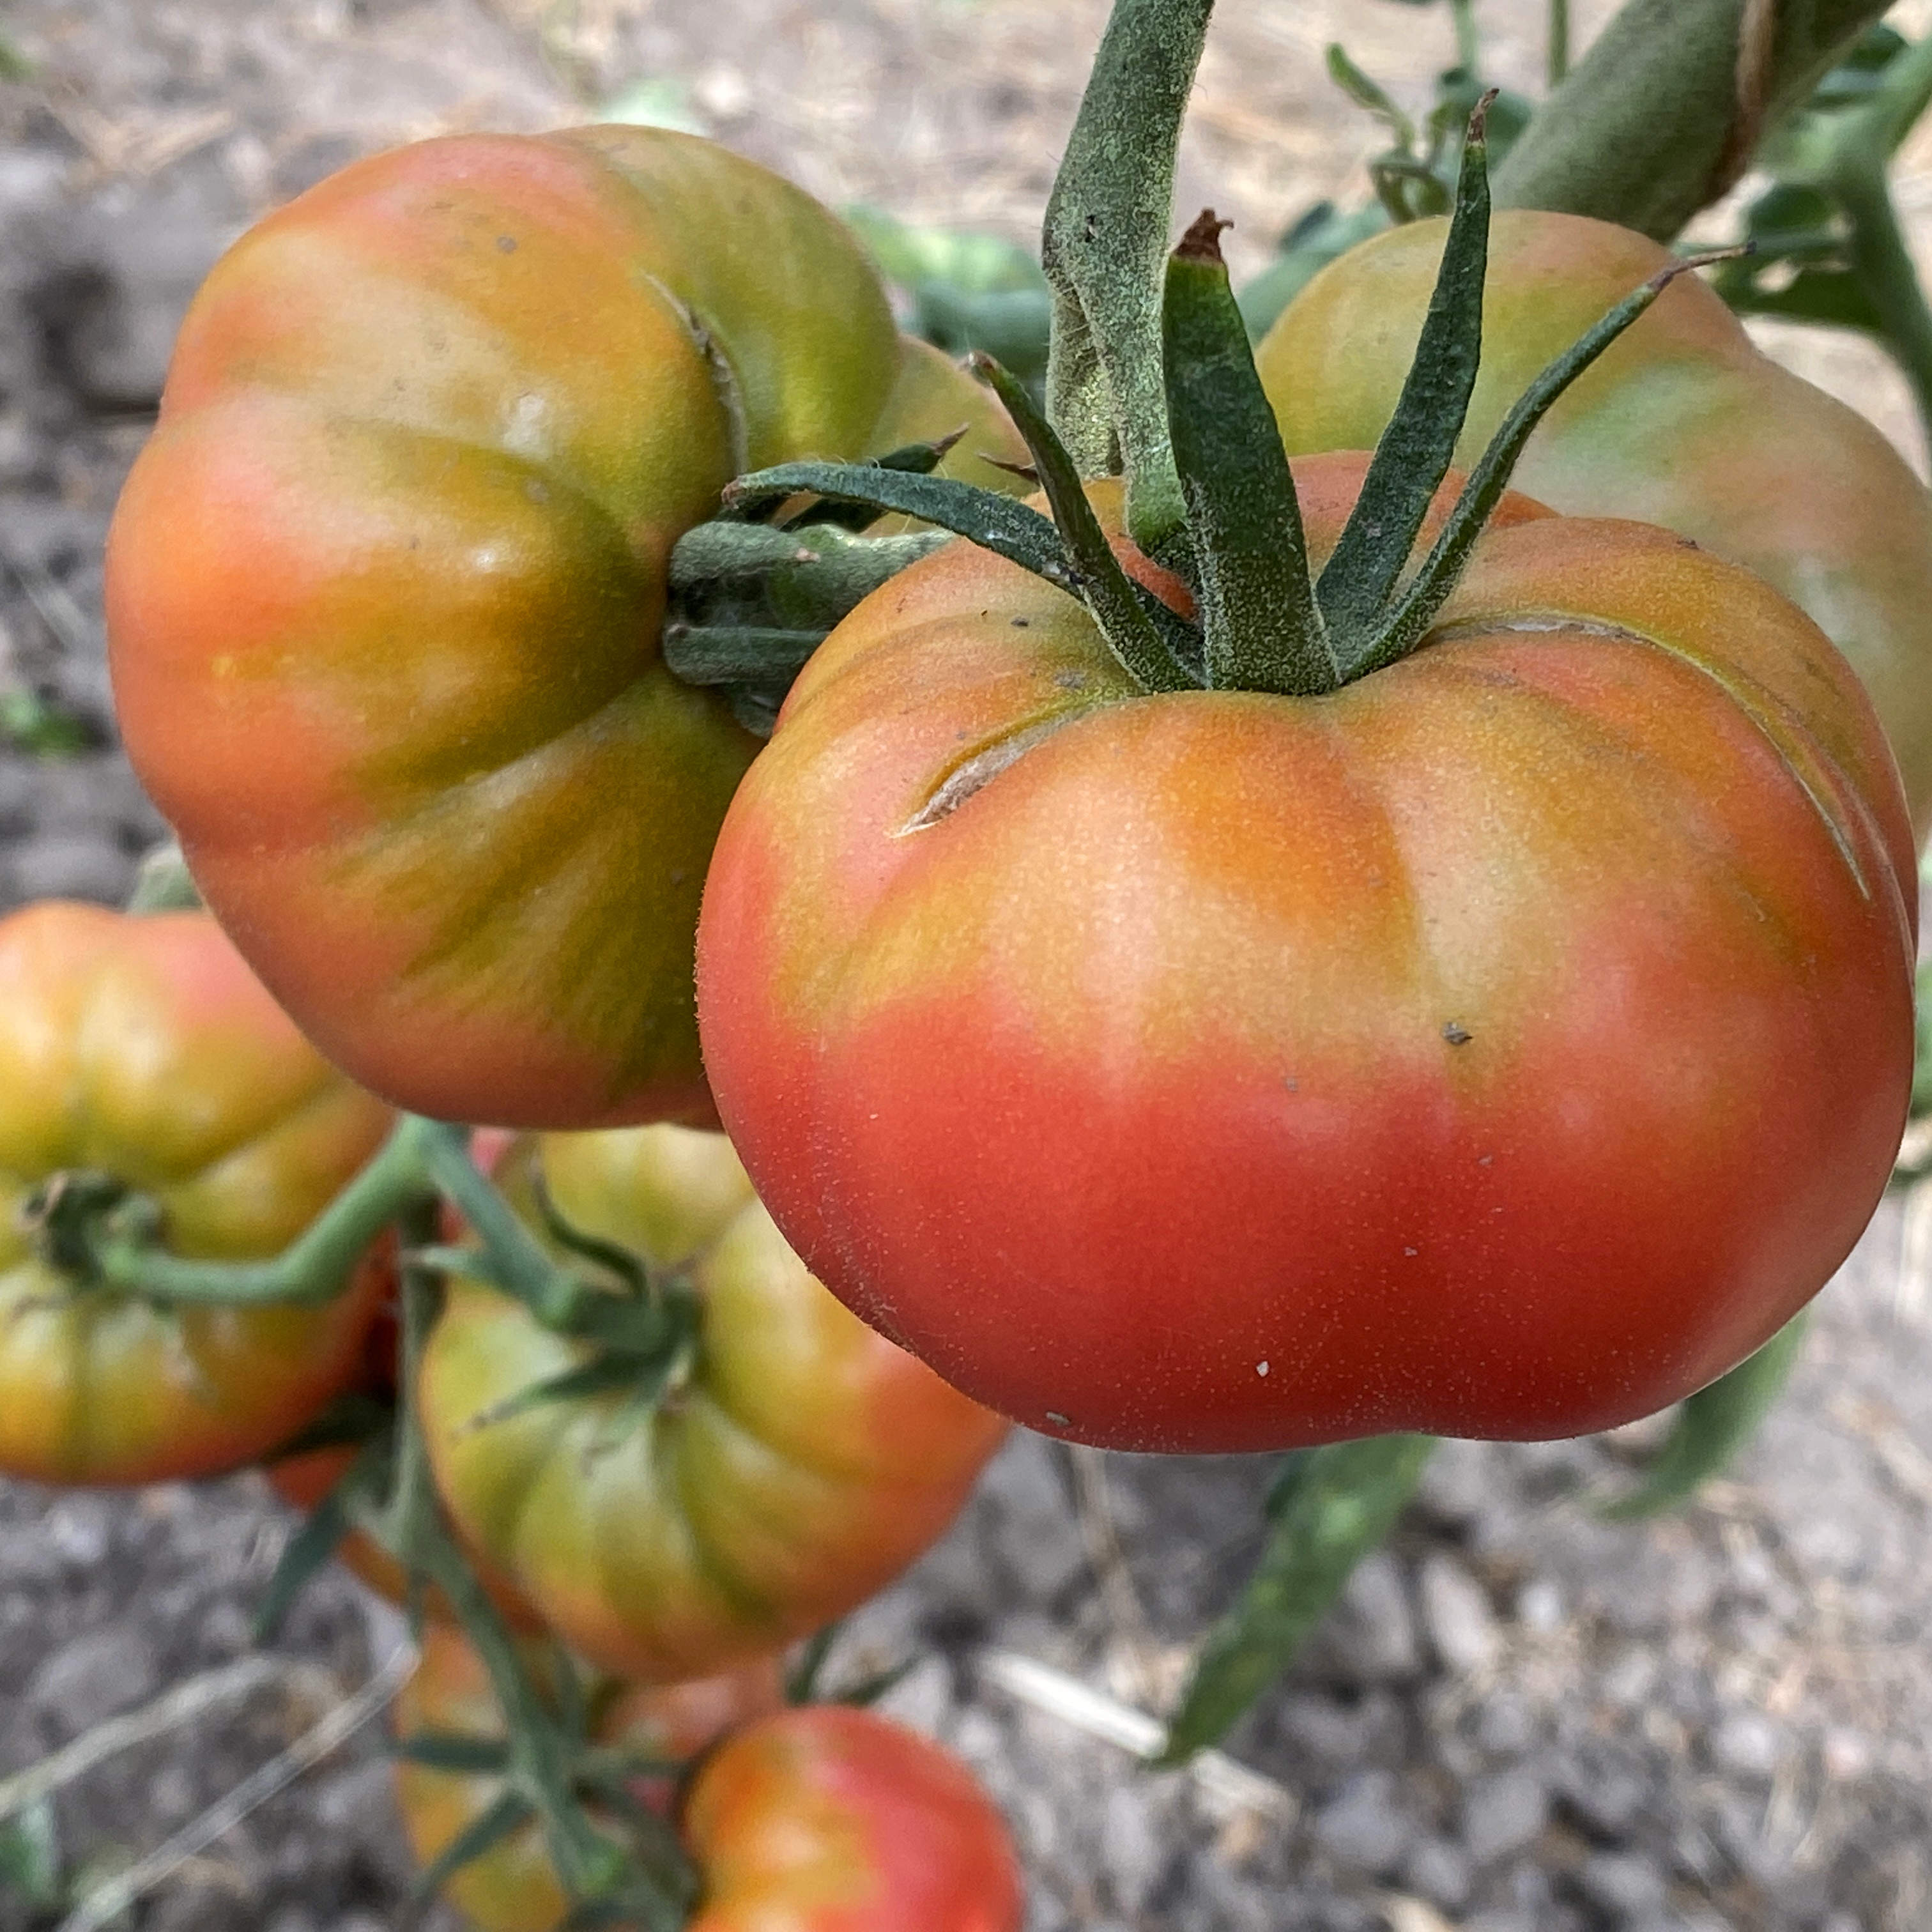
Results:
1711 1427
1370 96
321 1533
1357 590
506 1815
454 1751
30 1856
1430 587
1344 1499
31 723
14 65
801 1680
1262 631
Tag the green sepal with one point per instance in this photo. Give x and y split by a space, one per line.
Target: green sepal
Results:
1431 587
801 1685
1145 648
604 1373
503 1818
1341 1501
367 1478
457 1752
613 1256
1261 629
1358 584
911 459
1711 1427
710 654
995 522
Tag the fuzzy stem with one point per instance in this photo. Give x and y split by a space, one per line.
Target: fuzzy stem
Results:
1104 249
315 1267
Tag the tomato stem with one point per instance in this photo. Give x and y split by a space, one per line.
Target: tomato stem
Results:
1102 249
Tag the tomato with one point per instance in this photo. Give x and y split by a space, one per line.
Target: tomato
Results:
1683 423
384 590
1501 1045
143 1050
824 1819
798 1463
513 1887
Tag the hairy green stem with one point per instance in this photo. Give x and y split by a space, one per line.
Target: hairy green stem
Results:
1642 130
1104 248
315 1267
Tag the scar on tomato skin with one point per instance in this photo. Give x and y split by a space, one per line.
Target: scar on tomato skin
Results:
1065 1421
976 773
1456 1034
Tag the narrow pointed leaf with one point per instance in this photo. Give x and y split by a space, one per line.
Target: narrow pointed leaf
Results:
995 522
1416 449
321 1533
1711 1427
801 1680
1368 95
1117 604
454 1751
1262 631
612 1255
1345 1498
712 654
914 459
1430 588
507 1814
602 1375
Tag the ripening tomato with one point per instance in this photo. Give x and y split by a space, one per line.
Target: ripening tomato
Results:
513 1887
1683 423
141 1052
796 1463
1503 1044
825 1818
384 590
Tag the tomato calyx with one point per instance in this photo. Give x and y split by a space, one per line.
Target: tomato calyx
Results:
754 592
70 1213
1152 374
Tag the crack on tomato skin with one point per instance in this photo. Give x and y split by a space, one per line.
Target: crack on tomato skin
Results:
974 773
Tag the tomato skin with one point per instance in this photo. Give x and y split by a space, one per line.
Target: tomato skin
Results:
1502 1046
1683 423
143 1047
385 586
825 1818
513 1887
803 1465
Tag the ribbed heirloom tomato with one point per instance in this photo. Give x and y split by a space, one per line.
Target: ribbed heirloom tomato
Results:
826 1819
1685 423
384 590
1502 1044
142 1060
793 1462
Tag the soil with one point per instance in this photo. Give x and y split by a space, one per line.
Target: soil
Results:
1522 1718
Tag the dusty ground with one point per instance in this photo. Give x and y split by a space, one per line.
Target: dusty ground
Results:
1523 1720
